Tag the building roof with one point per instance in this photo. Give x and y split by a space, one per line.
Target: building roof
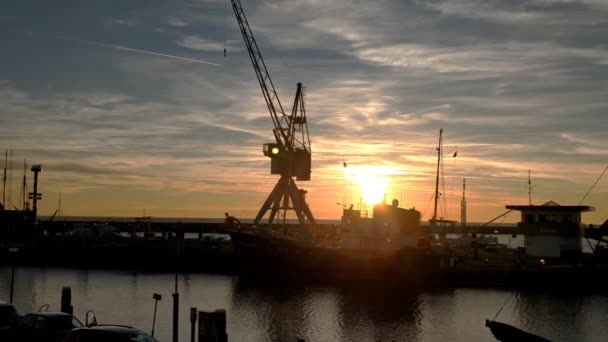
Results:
551 206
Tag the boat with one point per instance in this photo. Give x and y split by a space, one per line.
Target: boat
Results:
508 333
389 244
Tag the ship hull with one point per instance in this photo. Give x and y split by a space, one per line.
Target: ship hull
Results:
258 254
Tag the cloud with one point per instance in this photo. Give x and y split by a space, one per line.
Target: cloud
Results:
516 85
202 44
177 22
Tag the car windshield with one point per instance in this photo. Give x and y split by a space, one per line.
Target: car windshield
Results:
63 322
94 335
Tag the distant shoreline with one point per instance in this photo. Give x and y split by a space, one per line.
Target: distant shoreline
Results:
211 220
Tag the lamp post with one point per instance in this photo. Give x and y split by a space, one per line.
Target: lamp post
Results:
156 297
13 250
176 294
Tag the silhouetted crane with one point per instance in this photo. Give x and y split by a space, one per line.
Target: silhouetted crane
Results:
290 154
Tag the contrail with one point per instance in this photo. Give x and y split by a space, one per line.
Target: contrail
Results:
118 47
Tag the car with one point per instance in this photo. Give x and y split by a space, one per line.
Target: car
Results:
46 326
9 321
103 333
96 231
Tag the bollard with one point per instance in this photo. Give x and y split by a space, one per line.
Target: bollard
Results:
206 332
193 324
66 300
220 325
212 326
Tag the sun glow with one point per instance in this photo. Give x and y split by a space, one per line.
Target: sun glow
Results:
371 182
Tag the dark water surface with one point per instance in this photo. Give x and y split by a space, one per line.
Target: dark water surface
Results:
372 311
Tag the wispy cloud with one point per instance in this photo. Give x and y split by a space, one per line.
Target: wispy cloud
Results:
517 86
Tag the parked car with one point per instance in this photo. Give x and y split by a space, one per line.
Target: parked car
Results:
46 326
104 333
96 231
9 321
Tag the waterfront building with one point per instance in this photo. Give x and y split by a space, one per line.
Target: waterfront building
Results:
551 230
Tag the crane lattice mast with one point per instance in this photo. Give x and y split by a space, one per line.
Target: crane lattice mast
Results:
291 154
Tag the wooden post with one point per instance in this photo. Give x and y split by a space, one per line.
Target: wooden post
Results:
220 325
66 300
212 326
193 324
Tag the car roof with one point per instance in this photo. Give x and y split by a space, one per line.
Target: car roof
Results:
114 328
50 314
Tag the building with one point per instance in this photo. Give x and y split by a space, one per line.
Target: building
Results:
551 230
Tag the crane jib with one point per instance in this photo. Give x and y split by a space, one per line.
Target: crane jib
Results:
268 90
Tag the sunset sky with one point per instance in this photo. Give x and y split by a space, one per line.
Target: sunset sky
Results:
516 86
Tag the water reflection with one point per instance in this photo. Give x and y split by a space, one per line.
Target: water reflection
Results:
285 311
377 312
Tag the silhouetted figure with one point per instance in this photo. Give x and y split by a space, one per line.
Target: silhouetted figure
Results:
231 221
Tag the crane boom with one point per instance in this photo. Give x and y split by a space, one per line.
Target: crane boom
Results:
280 120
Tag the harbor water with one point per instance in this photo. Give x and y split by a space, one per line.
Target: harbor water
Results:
279 311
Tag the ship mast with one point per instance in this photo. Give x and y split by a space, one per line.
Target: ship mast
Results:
4 179
529 188
23 196
463 205
439 148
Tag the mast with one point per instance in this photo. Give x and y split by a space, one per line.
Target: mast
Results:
24 187
434 219
4 179
463 205
10 179
529 188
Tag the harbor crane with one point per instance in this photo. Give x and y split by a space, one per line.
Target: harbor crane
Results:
290 154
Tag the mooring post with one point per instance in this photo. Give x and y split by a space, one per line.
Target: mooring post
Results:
212 326
205 327
220 325
66 300
193 316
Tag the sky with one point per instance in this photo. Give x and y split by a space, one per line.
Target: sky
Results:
515 85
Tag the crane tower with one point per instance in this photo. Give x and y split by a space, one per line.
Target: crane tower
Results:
290 154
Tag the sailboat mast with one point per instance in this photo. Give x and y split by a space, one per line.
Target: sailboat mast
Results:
529 188
437 177
4 178
463 205
24 186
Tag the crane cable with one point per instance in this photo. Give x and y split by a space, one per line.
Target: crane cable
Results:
596 181
225 24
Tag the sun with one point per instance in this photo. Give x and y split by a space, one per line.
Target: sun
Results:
372 189
371 182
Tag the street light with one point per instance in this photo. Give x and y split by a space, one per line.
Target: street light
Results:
156 297
12 250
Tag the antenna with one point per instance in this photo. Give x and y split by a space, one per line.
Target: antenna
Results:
529 188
